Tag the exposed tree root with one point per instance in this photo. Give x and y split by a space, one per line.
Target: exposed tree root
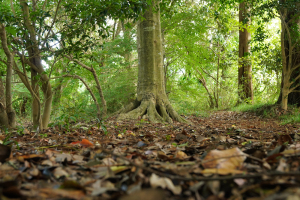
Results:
158 111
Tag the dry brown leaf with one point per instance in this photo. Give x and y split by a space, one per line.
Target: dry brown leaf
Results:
156 181
47 163
226 159
180 155
291 152
34 171
72 194
146 194
283 139
109 161
62 157
60 172
283 166
222 171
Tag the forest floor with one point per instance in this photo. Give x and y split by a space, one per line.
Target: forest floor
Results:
228 155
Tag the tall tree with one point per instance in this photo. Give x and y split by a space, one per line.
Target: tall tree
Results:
3 114
290 51
37 70
11 114
152 101
245 68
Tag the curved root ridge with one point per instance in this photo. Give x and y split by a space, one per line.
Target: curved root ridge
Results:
157 112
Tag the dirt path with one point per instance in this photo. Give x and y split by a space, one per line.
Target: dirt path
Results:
247 123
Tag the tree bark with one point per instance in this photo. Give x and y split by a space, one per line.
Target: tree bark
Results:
152 102
36 65
23 106
245 68
3 114
35 107
11 114
290 51
201 79
58 88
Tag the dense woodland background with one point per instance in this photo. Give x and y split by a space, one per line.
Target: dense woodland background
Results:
78 60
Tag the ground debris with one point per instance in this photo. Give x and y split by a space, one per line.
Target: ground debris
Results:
228 155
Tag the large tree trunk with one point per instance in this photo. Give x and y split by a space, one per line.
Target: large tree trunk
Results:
245 68
152 102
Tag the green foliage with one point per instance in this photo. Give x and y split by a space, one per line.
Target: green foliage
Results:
168 137
292 117
201 53
102 125
7 140
257 108
68 114
201 60
271 110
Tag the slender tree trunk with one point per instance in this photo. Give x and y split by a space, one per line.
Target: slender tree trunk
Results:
100 91
3 114
152 102
35 102
98 85
245 68
57 93
218 74
23 107
128 57
11 114
59 86
36 65
90 91
212 103
290 58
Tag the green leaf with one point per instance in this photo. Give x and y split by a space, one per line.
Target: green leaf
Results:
11 30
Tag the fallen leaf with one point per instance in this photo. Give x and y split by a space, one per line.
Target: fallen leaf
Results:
71 194
109 161
222 171
146 194
62 157
180 155
226 159
60 172
285 139
283 166
156 181
180 137
84 143
30 156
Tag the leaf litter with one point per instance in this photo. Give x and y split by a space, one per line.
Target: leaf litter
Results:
228 155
